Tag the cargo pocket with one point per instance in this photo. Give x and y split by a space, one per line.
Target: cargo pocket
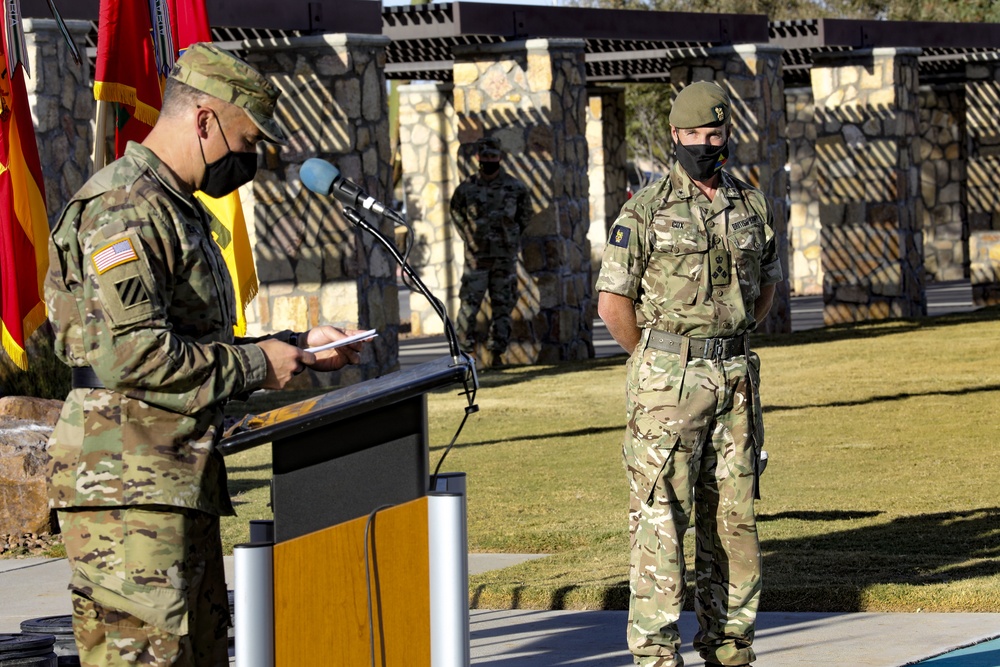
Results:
648 452
659 380
678 260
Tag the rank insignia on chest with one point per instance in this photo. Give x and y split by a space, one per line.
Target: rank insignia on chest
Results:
619 236
719 264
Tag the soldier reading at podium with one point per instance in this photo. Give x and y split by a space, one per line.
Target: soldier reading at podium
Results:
143 310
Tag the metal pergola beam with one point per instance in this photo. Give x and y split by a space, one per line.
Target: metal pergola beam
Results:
357 16
859 34
446 20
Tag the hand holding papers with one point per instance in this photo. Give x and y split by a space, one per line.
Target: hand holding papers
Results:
361 335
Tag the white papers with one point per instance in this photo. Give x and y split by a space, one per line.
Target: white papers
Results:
364 335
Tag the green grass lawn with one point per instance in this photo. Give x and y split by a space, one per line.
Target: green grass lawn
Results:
881 493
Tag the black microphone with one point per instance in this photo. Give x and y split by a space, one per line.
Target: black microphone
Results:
323 178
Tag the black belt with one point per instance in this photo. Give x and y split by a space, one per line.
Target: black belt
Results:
84 377
698 348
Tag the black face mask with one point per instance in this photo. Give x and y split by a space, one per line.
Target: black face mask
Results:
489 168
702 161
227 173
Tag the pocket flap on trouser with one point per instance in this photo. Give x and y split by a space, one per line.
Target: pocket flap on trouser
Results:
164 608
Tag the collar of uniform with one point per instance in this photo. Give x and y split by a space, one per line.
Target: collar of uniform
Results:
160 171
726 194
684 187
494 181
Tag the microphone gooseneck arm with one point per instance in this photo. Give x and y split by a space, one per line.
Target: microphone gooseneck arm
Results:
355 217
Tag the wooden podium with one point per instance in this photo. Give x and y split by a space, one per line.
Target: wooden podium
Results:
350 482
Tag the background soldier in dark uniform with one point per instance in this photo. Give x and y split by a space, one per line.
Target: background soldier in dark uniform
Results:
143 310
690 267
490 210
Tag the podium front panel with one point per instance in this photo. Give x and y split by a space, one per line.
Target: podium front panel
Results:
350 467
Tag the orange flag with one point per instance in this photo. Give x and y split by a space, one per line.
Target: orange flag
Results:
24 226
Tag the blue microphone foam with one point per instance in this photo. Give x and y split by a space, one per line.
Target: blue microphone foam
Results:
318 175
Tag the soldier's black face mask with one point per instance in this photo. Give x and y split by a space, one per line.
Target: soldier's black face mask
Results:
702 161
489 167
229 172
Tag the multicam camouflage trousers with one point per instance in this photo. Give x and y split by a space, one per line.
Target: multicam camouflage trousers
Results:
689 449
499 276
148 586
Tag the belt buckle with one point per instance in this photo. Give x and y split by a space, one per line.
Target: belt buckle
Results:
717 349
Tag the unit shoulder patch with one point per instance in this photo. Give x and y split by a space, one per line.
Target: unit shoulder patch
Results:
619 236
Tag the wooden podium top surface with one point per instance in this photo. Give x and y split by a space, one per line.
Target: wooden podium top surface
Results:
333 406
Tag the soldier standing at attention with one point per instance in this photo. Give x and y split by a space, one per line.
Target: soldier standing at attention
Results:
143 310
689 269
490 211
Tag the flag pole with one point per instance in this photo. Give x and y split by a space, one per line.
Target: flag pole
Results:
101 136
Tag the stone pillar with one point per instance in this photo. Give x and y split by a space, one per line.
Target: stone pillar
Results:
608 158
942 182
984 267
62 108
982 106
314 266
427 133
751 74
806 275
532 96
867 112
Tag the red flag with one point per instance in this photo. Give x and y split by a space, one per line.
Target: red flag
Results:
126 69
24 226
188 22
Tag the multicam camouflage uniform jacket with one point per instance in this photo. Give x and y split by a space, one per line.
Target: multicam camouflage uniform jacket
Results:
490 216
138 290
658 255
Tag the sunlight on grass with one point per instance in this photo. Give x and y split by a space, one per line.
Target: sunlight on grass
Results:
880 494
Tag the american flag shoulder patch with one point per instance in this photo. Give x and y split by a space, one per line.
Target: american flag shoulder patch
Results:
113 254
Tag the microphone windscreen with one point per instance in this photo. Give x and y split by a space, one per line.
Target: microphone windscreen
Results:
318 175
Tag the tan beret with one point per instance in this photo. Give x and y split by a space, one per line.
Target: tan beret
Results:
701 104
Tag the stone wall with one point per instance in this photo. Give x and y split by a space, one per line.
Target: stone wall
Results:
751 75
607 152
942 182
427 137
532 96
62 106
867 113
806 271
314 266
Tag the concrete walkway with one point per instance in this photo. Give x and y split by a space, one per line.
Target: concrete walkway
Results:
36 587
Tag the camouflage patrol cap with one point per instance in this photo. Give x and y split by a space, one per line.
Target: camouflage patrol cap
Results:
701 104
489 147
220 74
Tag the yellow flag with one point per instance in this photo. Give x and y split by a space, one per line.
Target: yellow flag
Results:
237 253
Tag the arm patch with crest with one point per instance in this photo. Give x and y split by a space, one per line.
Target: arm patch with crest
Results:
619 236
